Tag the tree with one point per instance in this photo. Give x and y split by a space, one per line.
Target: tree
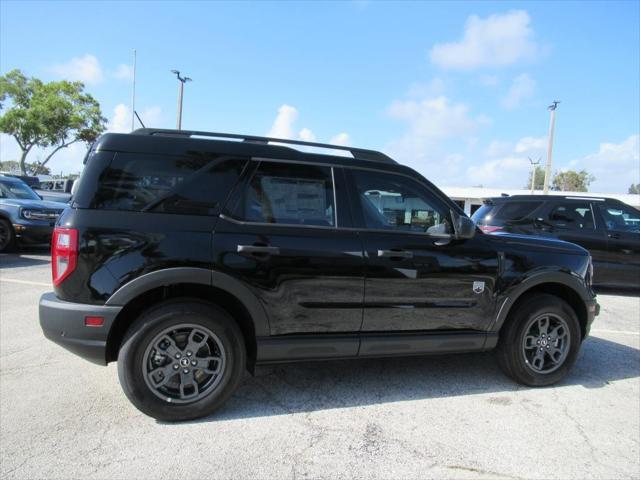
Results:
14 165
634 188
539 181
54 114
572 181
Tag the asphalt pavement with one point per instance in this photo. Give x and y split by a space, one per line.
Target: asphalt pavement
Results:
452 416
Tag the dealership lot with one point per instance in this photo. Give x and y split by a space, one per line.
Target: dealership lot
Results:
448 417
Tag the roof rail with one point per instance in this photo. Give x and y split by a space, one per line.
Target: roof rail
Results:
357 153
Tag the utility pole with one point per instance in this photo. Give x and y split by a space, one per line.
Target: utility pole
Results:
133 94
182 81
547 173
534 169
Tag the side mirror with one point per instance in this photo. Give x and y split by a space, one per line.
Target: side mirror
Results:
464 227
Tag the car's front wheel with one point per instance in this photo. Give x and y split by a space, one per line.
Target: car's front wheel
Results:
7 236
540 341
181 360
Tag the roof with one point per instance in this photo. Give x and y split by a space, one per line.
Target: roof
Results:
479 193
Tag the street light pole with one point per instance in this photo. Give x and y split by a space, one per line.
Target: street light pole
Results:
182 81
547 172
534 170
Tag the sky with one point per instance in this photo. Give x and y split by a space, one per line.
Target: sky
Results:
457 90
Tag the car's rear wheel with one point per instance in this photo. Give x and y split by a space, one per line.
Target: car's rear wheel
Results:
181 360
7 236
540 341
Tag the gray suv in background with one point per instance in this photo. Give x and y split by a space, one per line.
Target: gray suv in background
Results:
25 218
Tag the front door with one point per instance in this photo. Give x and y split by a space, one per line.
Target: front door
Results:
280 238
418 277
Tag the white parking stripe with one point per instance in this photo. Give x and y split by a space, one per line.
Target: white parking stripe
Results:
24 282
623 332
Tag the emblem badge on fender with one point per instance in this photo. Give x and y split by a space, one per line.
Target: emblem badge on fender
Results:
478 287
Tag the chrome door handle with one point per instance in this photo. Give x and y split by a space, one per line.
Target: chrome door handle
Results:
252 249
395 254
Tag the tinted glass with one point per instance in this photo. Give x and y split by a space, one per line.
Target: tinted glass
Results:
291 194
196 185
575 216
621 218
513 211
483 214
394 202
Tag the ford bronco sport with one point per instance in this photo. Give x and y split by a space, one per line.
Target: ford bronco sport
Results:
188 257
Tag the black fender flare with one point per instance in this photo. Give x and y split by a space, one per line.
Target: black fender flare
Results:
571 281
203 276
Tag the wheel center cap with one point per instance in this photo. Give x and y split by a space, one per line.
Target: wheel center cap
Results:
544 342
184 362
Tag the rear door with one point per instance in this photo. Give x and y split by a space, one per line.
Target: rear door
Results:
280 235
418 277
622 225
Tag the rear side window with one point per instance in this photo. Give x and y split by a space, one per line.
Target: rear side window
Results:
574 216
512 211
195 185
289 194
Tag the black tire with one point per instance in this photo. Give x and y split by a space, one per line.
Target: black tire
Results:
511 353
133 359
7 236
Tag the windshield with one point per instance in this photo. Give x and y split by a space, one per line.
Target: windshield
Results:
17 190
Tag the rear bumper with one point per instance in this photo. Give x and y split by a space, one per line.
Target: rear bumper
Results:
64 323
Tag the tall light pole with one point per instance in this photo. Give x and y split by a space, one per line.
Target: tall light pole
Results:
133 93
534 169
547 172
182 81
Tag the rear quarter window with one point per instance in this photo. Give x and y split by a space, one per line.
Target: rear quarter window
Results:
513 211
197 184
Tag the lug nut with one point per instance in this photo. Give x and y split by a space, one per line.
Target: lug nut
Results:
176 366
177 355
194 363
189 354
186 370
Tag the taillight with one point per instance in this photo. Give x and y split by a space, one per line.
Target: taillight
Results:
64 253
490 228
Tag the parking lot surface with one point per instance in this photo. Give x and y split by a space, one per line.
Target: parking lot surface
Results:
447 417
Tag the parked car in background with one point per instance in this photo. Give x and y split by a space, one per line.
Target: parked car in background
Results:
189 256
25 218
609 229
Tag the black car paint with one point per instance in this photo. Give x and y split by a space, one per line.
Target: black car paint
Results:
326 293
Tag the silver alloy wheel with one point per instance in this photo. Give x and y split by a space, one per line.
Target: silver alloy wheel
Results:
546 343
184 363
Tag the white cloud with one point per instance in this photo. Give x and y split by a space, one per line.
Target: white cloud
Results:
531 145
86 69
496 41
120 121
508 171
283 124
123 72
615 165
498 148
340 139
307 135
521 89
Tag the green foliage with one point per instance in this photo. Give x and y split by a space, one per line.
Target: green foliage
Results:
14 166
53 114
572 181
539 181
634 188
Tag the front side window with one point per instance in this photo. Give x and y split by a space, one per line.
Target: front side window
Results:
574 216
621 218
395 202
289 194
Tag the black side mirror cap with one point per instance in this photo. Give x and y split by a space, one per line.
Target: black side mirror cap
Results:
464 227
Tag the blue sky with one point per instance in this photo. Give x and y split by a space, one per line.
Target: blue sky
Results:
457 90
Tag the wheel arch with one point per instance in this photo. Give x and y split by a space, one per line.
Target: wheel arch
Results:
568 288
189 283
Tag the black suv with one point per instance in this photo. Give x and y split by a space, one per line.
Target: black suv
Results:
190 259
609 229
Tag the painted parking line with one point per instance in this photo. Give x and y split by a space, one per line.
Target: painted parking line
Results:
621 332
24 282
